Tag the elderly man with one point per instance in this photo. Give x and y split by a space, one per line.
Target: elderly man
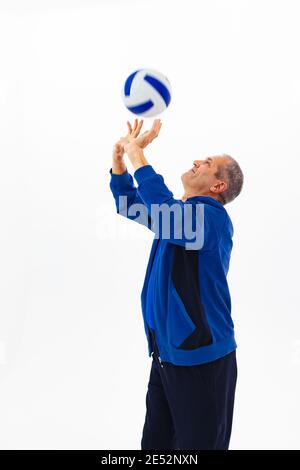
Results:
185 297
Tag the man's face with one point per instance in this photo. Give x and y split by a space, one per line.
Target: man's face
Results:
201 177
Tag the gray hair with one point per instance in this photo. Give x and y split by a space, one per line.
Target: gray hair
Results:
233 174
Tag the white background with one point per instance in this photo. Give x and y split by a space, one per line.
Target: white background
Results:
74 361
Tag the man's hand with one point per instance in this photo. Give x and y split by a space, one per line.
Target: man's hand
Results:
144 139
135 145
118 164
118 149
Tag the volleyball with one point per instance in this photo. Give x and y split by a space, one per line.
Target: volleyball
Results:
146 93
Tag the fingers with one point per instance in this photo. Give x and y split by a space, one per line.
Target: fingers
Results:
130 129
134 126
155 128
157 124
137 131
134 132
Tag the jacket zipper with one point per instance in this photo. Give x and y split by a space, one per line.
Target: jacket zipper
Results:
159 358
152 353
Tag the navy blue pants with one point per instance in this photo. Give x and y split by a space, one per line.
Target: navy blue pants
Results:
189 407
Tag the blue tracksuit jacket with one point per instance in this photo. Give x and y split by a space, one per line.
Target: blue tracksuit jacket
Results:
187 301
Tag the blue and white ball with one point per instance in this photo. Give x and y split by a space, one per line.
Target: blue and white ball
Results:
146 93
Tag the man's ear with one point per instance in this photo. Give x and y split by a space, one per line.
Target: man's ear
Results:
219 187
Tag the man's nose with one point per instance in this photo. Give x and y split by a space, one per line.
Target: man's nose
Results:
197 163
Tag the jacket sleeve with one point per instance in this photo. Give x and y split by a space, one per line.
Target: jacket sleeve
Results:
127 200
178 222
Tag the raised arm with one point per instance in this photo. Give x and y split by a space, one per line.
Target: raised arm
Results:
182 223
128 202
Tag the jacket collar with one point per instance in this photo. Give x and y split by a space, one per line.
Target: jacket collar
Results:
207 200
